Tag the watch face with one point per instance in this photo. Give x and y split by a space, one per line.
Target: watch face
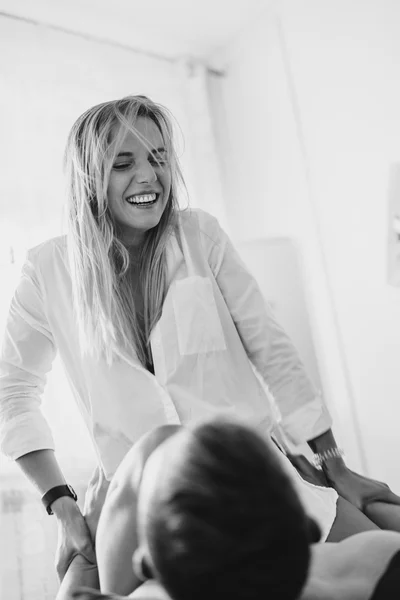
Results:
71 489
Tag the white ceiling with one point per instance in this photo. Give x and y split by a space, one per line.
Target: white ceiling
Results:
168 28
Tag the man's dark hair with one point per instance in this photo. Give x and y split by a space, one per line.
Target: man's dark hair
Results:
230 523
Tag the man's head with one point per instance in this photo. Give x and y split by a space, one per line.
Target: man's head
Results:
218 517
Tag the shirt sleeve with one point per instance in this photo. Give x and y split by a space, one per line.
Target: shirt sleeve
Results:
303 414
26 356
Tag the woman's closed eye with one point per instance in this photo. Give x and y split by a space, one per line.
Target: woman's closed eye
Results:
122 166
127 165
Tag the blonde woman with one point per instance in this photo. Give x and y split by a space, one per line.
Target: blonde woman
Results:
157 321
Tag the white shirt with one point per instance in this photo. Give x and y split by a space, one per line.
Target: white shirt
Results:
216 329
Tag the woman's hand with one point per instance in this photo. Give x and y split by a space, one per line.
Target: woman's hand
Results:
307 470
360 490
73 535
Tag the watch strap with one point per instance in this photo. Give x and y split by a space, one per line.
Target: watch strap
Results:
57 492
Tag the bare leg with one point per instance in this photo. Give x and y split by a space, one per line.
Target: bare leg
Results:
349 521
80 573
386 516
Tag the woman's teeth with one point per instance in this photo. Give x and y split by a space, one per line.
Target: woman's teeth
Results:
149 198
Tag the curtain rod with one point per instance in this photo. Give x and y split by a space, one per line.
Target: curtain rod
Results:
94 38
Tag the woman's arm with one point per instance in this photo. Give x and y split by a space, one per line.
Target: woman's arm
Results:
42 468
304 415
26 356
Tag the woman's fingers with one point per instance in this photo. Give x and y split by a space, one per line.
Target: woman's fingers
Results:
73 539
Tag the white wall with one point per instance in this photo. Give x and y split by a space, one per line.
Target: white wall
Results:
308 125
47 81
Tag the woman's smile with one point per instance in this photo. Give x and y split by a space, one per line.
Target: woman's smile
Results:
142 200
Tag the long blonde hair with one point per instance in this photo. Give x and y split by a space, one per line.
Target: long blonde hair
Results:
99 261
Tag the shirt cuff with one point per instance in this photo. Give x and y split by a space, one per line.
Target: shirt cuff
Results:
25 433
306 423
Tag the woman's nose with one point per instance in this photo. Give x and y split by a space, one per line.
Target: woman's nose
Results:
145 173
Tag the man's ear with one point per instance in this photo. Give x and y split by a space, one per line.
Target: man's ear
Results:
141 565
314 531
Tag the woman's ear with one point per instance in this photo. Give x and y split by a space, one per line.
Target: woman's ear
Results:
141 566
314 531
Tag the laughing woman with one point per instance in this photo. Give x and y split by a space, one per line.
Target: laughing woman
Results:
157 321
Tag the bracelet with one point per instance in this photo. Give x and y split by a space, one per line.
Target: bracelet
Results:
57 492
320 458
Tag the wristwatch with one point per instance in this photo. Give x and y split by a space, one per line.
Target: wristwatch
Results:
57 492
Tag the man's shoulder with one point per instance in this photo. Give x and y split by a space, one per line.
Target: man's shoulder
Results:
129 472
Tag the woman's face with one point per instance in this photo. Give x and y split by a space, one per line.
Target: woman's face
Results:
139 186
